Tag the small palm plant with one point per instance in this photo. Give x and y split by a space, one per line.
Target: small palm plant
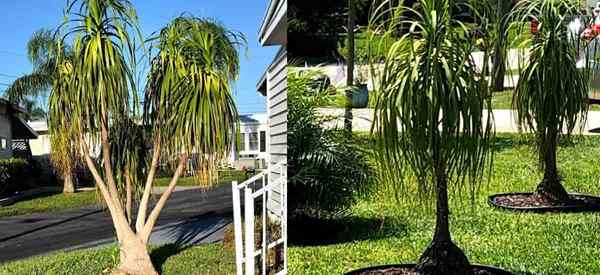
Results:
188 109
551 95
433 117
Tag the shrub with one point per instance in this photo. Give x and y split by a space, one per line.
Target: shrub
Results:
12 172
326 170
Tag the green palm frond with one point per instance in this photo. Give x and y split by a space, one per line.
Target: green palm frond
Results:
432 106
103 62
188 96
43 50
31 85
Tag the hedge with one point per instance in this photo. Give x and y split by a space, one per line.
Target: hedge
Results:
12 171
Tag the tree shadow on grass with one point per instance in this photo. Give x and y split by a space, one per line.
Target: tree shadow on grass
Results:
306 231
160 255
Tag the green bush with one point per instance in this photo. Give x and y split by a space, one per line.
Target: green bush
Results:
326 170
12 172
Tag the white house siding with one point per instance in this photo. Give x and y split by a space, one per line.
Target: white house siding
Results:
5 132
277 108
273 32
277 113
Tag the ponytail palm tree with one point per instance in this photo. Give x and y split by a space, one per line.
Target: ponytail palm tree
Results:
551 95
188 106
433 116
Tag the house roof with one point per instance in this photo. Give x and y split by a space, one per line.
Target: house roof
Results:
256 118
261 86
19 128
273 30
13 107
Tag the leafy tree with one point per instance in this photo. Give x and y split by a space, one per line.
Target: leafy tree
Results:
431 112
46 53
42 52
33 111
188 108
551 95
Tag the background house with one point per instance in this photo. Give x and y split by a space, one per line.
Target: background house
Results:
14 132
252 150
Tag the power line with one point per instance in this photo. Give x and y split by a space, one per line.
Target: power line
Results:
11 53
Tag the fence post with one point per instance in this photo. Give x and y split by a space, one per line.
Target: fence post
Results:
284 222
249 217
237 225
265 244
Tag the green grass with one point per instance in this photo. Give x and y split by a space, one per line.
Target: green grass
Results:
503 100
205 259
225 177
49 203
383 231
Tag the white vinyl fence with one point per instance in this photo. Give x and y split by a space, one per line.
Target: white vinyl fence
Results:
271 248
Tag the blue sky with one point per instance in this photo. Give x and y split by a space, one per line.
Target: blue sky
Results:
21 18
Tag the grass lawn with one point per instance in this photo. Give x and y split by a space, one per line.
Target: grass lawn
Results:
205 259
503 100
383 231
49 203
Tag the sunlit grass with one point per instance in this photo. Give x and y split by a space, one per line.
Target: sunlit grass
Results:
204 259
523 243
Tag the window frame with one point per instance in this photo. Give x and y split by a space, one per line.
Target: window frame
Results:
262 141
256 144
3 143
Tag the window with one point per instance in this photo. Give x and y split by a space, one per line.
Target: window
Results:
263 141
242 142
253 141
3 143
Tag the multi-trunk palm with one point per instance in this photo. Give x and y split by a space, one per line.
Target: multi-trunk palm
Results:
188 109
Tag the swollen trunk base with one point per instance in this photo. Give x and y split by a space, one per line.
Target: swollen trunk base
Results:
444 258
135 259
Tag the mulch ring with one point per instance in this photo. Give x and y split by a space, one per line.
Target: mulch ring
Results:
531 202
409 269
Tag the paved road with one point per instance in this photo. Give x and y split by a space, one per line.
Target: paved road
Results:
190 217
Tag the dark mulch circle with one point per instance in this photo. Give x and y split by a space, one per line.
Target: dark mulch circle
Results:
532 203
409 269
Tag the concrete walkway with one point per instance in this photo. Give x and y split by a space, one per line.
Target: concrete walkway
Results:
190 217
504 120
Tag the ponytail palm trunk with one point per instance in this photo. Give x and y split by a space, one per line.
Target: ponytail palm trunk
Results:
188 109
432 116
551 95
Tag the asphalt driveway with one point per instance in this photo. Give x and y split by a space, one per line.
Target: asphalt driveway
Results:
190 217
